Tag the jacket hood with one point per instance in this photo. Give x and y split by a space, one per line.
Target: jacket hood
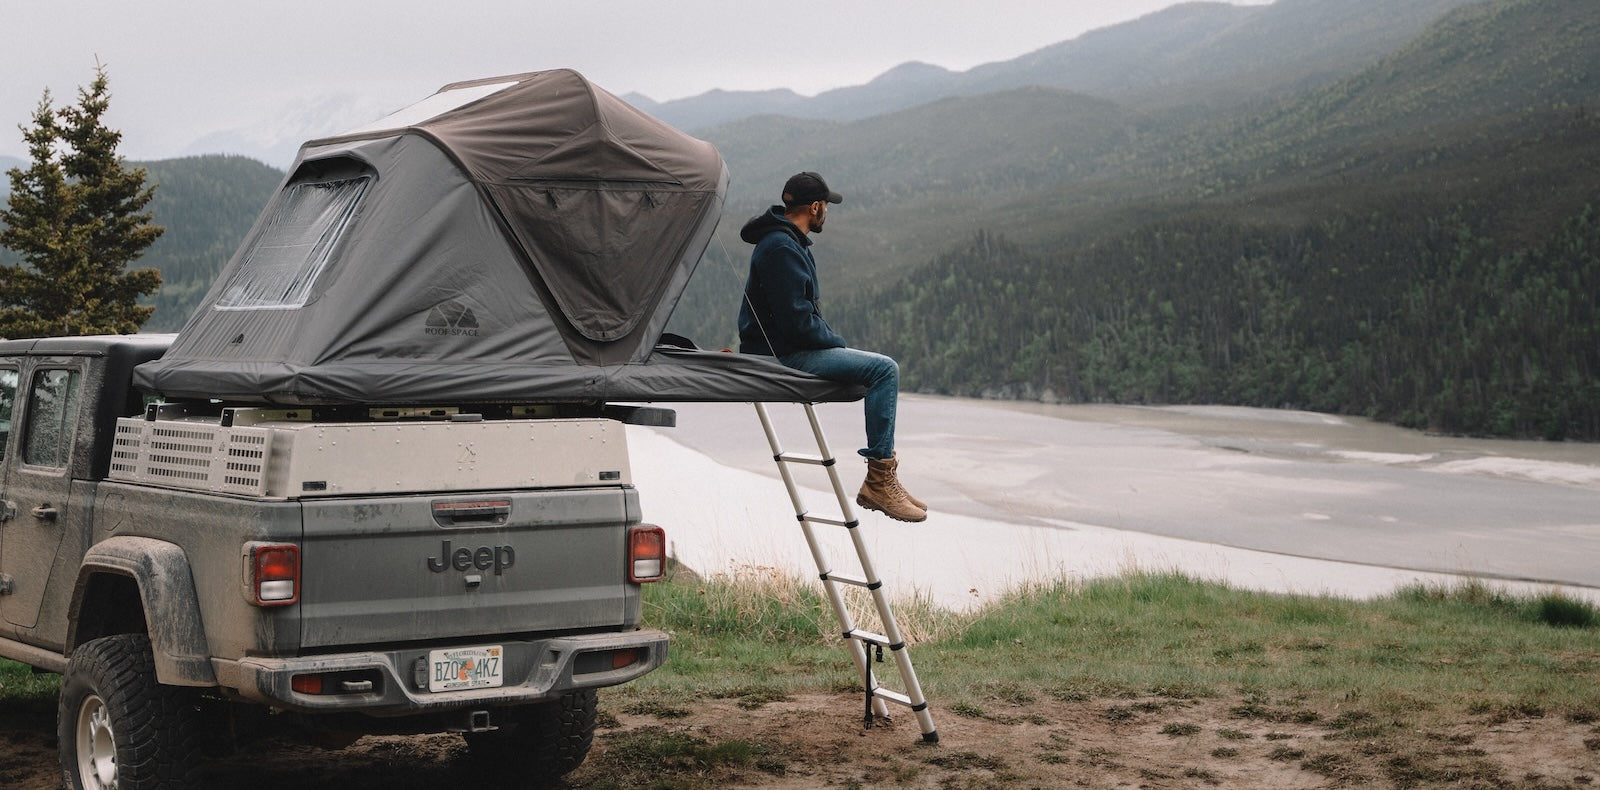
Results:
766 222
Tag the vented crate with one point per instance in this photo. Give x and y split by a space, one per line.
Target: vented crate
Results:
198 455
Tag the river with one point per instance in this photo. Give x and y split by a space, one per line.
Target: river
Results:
1280 501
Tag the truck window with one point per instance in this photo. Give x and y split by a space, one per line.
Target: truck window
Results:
286 258
8 400
52 413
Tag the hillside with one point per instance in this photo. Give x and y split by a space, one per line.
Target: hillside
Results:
1473 69
950 148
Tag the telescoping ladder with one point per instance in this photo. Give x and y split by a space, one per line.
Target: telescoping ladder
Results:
862 643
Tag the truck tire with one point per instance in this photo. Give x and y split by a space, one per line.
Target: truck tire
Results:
539 742
119 728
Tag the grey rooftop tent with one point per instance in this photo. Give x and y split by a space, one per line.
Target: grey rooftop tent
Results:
521 238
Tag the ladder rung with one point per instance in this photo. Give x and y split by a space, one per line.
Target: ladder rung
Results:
834 521
872 638
794 458
893 696
852 580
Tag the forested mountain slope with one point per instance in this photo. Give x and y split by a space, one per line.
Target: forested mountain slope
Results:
1498 68
1418 243
207 204
1038 163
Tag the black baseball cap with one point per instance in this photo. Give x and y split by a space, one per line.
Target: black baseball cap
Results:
808 187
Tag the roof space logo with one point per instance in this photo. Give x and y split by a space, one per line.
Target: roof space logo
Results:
452 318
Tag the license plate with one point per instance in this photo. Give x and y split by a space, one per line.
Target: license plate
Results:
466 668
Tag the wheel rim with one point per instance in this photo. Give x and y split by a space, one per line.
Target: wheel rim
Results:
97 749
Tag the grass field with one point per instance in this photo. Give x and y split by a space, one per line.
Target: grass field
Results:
1378 690
1154 679
1409 656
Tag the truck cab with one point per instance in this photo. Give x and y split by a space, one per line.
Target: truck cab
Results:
53 394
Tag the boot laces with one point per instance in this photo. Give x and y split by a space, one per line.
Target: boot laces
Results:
896 490
891 486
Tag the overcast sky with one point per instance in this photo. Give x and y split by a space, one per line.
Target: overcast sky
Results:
181 69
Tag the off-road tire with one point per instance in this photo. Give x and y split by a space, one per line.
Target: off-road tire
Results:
118 727
538 743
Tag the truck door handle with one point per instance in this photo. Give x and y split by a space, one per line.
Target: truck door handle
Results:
45 513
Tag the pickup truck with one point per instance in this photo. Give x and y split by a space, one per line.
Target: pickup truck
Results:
198 571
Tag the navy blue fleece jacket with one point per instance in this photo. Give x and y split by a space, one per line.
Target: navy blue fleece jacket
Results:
780 314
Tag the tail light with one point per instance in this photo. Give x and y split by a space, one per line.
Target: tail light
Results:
275 575
647 554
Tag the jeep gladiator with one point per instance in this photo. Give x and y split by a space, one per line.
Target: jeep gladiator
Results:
199 572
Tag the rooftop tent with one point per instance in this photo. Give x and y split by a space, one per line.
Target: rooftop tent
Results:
509 239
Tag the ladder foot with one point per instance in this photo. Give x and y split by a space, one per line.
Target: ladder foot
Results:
930 737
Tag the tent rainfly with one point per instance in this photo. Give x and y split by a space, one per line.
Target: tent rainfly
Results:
521 238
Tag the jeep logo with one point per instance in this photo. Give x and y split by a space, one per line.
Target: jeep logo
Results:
483 558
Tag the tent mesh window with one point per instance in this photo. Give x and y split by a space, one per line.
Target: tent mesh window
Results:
285 260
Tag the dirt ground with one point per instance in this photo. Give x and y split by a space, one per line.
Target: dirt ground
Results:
817 740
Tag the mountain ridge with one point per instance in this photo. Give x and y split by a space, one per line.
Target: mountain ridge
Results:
1162 59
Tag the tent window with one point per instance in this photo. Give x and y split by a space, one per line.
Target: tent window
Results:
286 259
432 107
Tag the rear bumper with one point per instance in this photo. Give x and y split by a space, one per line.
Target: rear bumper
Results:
535 670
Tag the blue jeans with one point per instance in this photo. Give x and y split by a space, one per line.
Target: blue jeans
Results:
878 373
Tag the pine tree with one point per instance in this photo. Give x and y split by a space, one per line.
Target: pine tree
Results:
76 217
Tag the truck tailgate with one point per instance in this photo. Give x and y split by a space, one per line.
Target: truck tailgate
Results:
376 569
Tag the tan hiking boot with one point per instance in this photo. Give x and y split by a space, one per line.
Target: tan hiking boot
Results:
881 491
